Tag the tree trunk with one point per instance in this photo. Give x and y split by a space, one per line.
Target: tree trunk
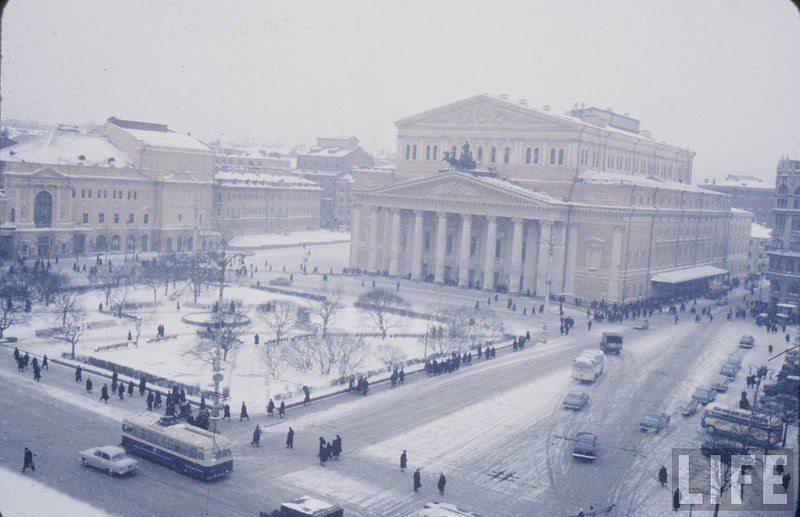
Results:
73 351
225 354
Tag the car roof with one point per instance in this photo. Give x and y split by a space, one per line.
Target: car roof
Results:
654 412
575 393
585 433
111 450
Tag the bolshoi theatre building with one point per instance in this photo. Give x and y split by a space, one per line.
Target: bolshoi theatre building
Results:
583 204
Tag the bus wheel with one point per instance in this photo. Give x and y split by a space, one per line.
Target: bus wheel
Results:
178 466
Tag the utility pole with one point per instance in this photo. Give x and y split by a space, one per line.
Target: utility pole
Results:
550 252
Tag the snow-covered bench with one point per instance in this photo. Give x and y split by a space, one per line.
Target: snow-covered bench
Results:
115 346
165 338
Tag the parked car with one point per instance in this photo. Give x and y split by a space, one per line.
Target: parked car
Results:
611 343
704 394
722 384
690 408
281 281
642 325
576 399
654 421
722 447
747 341
114 460
728 370
585 447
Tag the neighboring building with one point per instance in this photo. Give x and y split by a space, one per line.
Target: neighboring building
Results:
334 154
784 257
252 203
760 240
227 159
135 186
747 193
567 228
335 200
527 144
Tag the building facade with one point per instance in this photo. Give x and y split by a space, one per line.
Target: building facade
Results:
784 257
247 203
760 242
335 198
747 193
132 186
334 154
533 228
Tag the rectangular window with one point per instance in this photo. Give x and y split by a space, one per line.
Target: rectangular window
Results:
101 218
134 194
130 218
116 218
146 218
180 217
85 218
415 152
90 194
114 194
408 152
83 193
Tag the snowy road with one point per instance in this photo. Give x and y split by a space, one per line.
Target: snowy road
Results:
498 416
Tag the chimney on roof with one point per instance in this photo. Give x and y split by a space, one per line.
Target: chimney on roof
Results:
646 133
503 96
546 107
523 102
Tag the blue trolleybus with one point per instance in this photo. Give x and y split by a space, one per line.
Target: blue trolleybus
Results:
184 448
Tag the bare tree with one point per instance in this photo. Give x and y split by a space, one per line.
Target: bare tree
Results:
275 358
63 302
390 355
199 275
348 352
12 303
383 305
143 316
225 331
280 316
73 328
48 285
325 311
302 354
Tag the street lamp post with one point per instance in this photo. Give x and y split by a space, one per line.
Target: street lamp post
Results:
550 252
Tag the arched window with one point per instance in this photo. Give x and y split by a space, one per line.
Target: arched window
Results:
506 155
13 215
561 157
783 191
43 209
408 152
435 152
115 242
427 152
493 158
169 243
480 154
528 155
552 156
536 155
130 242
144 243
414 155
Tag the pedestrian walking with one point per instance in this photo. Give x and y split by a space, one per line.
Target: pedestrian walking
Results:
226 412
78 372
402 375
255 339
150 400
662 475
785 481
282 409
403 461
130 389
417 482
256 436
37 373
270 408
16 354
243 413
442 482
676 500
104 393
28 461
307 398
337 447
290 439
142 386
157 401
89 386
45 363
121 391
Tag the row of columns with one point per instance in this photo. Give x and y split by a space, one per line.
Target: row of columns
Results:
544 249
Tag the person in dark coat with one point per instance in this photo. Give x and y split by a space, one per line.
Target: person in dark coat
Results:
337 447
121 391
256 436
255 339
290 439
270 408
113 385
142 386
89 386
282 409
45 363
676 500
202 403
323 451
130 389
28 461
307 393
37 373
403 461
786 479
662 475
16 354
104 393
417 482
157 401
401 376
442 482
114 379
226 412
243 413
150 400
183 395
78 371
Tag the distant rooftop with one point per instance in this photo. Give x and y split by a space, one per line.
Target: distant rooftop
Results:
134 124
67 146
760 232
251 179
739 180
159 135
616 178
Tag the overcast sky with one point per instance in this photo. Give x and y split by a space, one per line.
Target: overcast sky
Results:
721 78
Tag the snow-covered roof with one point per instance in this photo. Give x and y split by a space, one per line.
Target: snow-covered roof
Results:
733 180
249 179
618 178
167 139
66 147
335 152
310 506
760 232
504 184
687 274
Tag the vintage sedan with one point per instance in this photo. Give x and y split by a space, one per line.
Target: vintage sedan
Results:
576 399
704 394
585 447
114 460
654 421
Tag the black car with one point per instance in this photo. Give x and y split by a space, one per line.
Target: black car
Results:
723 448
585 447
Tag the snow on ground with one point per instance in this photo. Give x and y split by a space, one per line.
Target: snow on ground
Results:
292 239
24 496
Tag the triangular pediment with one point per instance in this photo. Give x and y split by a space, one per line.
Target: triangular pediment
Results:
464 186
47 172
483 111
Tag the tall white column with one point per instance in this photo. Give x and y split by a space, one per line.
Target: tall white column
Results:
543 263
572 255
355 236
416 252
516 256
531 254
441 242
466 243
374 229
394 248
557 269
489 260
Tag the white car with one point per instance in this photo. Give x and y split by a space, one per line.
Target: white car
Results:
114 460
